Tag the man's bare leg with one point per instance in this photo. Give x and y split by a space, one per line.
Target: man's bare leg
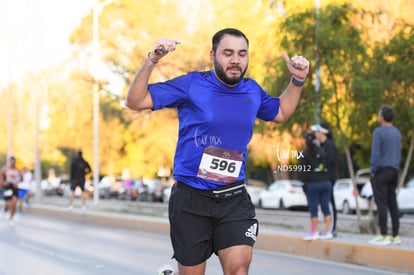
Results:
12 205
236 260
71 198
83 197
192 270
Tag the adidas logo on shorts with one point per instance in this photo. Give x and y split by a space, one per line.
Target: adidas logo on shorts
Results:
252 232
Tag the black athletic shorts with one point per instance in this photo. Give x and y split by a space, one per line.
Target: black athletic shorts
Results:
9 191
75 183
203 222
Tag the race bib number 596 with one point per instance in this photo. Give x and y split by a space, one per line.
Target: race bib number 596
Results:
220 164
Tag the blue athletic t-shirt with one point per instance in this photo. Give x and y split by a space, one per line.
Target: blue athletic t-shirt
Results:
211 114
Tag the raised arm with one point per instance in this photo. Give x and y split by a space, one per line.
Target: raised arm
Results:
138 96
298 67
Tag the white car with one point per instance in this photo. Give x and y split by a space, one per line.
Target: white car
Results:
166 193
405 198
254 188
346 196
283 194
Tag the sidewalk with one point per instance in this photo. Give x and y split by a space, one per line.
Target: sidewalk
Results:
346 247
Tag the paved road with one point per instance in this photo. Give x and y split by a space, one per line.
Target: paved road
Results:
39 245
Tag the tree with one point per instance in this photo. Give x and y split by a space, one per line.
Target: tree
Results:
354 71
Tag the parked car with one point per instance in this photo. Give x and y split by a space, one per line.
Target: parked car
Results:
129 189
346 196
151 190
64 186
134 189
166 193
283 194
362 176
405 198
52 187
110 187
254 188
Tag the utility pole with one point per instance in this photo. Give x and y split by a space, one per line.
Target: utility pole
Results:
317 112
96 56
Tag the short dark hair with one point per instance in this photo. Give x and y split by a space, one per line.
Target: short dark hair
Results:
387 112
219 35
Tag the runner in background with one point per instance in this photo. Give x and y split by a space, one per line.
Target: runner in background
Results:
10 176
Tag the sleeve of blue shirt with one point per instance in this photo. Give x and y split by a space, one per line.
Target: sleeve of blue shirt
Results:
169 94
269 107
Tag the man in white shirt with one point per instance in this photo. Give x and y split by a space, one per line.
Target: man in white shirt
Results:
24 189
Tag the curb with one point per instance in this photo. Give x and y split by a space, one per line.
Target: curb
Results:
386 257
335 250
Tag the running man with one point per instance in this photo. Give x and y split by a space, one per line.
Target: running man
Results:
10 176
210 210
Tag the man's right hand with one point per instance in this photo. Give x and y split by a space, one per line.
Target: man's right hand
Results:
161 48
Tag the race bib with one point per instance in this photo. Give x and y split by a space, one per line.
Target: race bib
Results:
8 193
221 165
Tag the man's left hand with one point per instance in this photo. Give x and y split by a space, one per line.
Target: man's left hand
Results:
298 66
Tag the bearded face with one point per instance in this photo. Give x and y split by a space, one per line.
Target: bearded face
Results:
229 75
230 59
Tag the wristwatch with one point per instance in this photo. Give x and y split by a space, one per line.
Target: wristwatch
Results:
297 83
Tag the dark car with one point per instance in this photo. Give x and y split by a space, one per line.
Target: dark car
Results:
151 190
110 187
53 187
129 190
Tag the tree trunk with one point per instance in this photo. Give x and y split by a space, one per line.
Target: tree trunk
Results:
407 164
352 175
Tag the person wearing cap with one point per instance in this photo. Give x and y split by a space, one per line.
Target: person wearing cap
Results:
324 134
385 163
318 188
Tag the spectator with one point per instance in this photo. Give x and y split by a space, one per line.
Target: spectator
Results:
385 163
324 134
24 189
318 187
79 168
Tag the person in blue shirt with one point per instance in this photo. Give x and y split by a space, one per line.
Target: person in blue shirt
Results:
385 163
210 210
